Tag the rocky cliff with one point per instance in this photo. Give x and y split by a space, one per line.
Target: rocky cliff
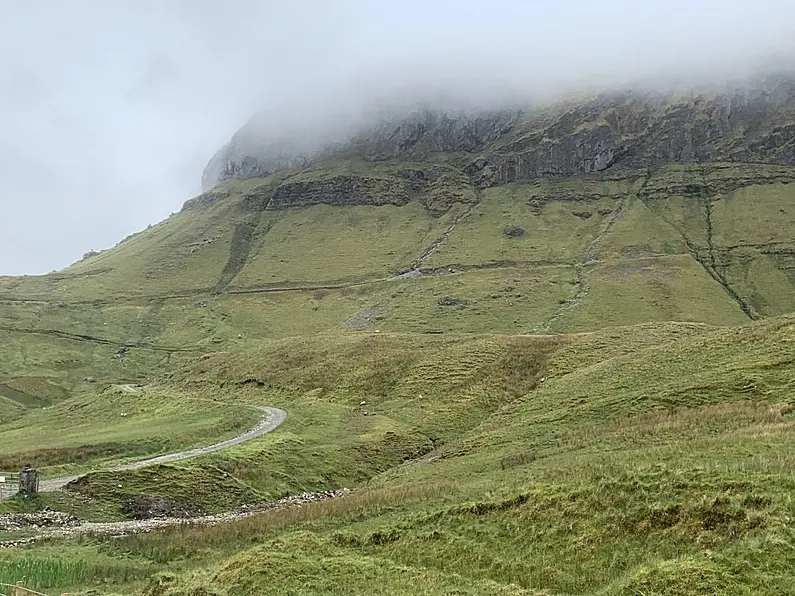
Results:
752 124
414 137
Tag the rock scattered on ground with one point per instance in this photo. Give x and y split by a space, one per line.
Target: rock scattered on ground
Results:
514 231
148 507
297 500
451 301
41 519
124 528
360 321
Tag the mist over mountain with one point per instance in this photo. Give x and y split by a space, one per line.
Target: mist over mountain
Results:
513 280
110 112
581 134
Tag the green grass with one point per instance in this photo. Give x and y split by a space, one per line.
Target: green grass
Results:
68 502
654 459
220 274
548 212
665 288
648 451
335 243
45 569
755 215
330 439
764 280
639 233
748 211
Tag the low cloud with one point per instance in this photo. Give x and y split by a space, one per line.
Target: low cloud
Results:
110 110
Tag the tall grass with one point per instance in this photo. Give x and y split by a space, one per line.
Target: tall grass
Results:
180 542
52 573
38 573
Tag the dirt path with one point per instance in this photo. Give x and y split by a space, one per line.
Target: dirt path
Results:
60 525
414 269
589 258
272 419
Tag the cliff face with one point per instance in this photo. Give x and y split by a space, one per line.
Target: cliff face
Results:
633 131
415 137
424 133
752 126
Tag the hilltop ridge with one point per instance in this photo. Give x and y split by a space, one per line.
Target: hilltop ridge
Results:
626 129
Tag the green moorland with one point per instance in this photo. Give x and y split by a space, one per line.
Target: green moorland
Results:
708 244
101 427
653 459
553 386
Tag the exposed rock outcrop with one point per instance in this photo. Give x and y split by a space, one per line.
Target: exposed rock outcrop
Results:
636 131
436 187
426 132
754 124
242 159
149 507
413 137
332 190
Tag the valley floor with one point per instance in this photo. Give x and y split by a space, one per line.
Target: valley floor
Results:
651 459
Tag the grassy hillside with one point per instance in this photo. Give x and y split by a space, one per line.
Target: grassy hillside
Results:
653 459
660 470
540 378
704 244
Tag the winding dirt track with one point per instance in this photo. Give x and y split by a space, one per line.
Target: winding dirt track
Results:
272 418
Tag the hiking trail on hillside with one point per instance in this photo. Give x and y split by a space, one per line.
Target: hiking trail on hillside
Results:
271 420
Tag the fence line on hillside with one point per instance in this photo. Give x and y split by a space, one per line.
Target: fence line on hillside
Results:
9 485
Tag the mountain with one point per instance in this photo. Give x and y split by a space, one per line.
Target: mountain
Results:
550 349
621 209
748 124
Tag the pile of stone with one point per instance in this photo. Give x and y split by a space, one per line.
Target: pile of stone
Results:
302 499
451 301
148 507
40 519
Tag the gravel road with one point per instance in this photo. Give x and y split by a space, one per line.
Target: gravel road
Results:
272 418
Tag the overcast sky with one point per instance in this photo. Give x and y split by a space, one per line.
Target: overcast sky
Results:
109 109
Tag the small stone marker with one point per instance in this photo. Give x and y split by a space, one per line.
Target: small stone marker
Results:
28 481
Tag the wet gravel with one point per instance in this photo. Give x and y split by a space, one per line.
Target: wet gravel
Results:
55 524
